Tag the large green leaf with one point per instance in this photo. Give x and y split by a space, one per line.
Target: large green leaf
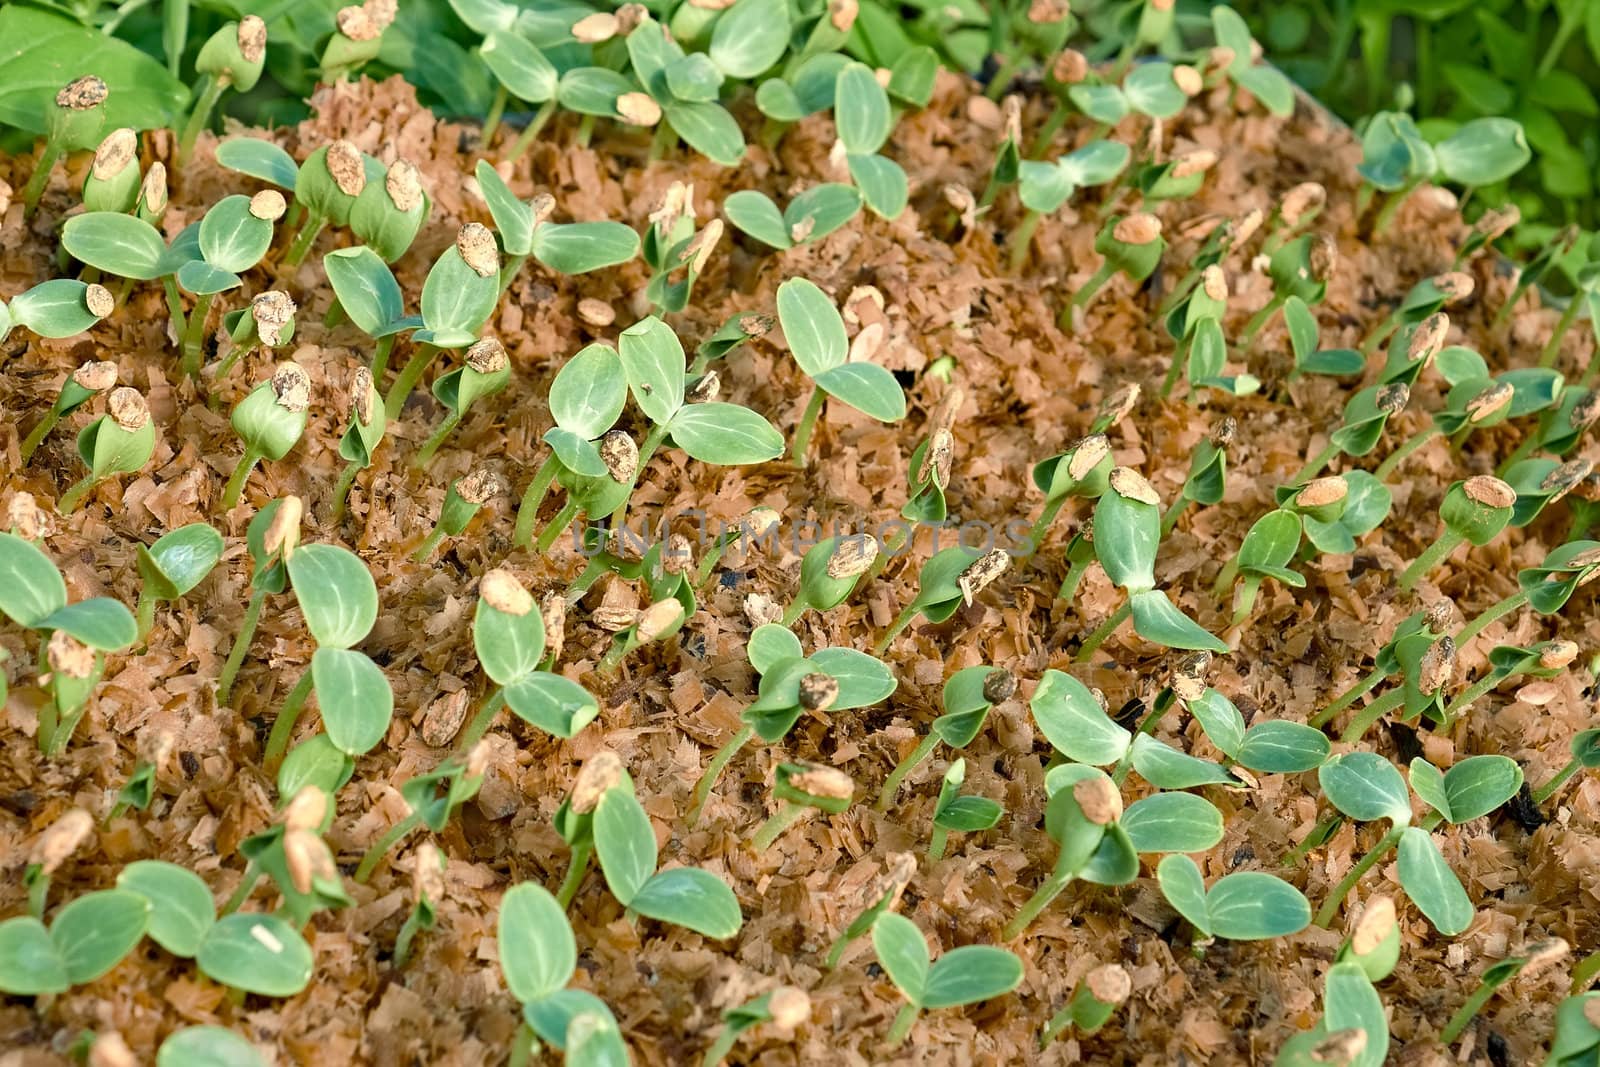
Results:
355 699
1366 787
537 950
580 247
256 953
336 593
1431 884
902 953
725 434
181 908
31 589
690 897
652 359
1172 822
29 962
750 37
969 974
868 388
554 704
95 931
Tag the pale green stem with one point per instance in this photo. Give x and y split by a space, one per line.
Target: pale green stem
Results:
391 838
73 497
577 867
901 621
891 784
532 497
497 108
39 433
241 644
437 438
1330 907
481 721
40 177
145 614
904 1020
1103 631
558 525
1547 358
530 132
283 726
802 432
252 875
1315 464
304 240
194 336
1370 714
1548 790
241 473
714 769
199 117
1398 456
341 492
786 816
410 374
1348 697
1431 557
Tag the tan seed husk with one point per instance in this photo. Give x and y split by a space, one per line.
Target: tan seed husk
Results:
842 14
291 385
1324 257
802 229
153 190
678 556
599 774
1070 67
698 252
114 154
938 458
356 24
1438 613
760 609
500 589
1109 983
60 839
1542 955
1489 491
273 311
891 884
818 691
981 573
999 685
1305 198
1320 492
677 201
300 856
98 299
268 205
1247 226
26 517
383 12
614 619
443 719
620 455
553 609
596 312
1393 397
252 39
480 485
1558 655
1454 286
1340 1048
638 109
1125 481
1494 223
960 197
1189 675
427 873
127 408
1224 431
1490 402
1098 799
307 810
1011 117
704 389
475 243
1086 455
1114 407
1137 229
629 16
1438 665
1377 919
1188 80
826 782
83 93
1564 478
1214 283
1191 163
541 207
487 355
1585 411
110 1050
1048 12
789 1007
1220 57
1429 338
283 533
346 167
592 29
657 619
852 556
403 185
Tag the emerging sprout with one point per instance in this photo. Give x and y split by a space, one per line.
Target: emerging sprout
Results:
961 976
427 891
801 788
882 895
1208 473
1365 416
433 798
948 581
968 696
119 442
1418 631
538 956
1082 817
1094 1000
112 183
81 385
293 855
657 622
357 39
266 324
72 121
271 538
1585 749
1537 957
270 420
786 1008
155 745
1081 471
1475 511
172 566
50 850
1299 271
1131 245
1547 659
830 571
953 812
462 501
486 371
361 438
232 58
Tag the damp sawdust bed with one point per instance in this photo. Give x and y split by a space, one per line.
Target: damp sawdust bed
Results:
1028 389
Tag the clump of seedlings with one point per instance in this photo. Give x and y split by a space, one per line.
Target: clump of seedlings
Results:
961 976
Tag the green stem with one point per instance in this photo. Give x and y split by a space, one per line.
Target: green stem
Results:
39 433
1523 450
585 581
1103 631
247 630
1085 294
904 1020
283 725
1348 697
304 240
532 497
1398 456
585 132
647 449
1174 510
1047 132
1391 207
1464 1014
1245 598
40 177
721 1046
662 140
936 843
1180 356
491 122
380 358
1041 525
1318 836
1583 975
1021 239
786 816
429 544
341 492
437 438
714 769
1330 907
802 432
891 784
62 734
529 132
1370 714
1431 557
252 875
621 645
390 838
481 721
558 525
73 497
524 1045
1467 696
577 867
1552 349
1571 18
1040 900
145 614
199 117
1548 790
194 336
229 360
38 894
1147 726
1315 464
901 621
410 374
241 473
1259 320
169 285
797 607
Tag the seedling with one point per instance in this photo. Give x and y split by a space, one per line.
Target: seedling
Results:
800 789
816 336
87 938
1207 481
231 58
357 39
1219 238
1202 351
1474 511
1094 1000
50 850
1553 252
1416 328
339 601
1241 906
82 385
1365 416
1353 1030
659 621
1299 270
1127 522
968 696
427 890
684 896
1157 90
1082 819
1586 295
113 181
1560 427
1305 341
172 566
433 799
830 571
672 247
1240 64
1470 405
1537 957
1295 210
538 956
1079 472
882 896
1540 482
1490 226
508 635
831 680
486 371
786 1008
131 248
953 812
325 186
72 121
361 438
368 293
458 296
1007 157
293 855
1585 754
1274 541
266 324
1177 178
808 218
1547 659
947 582
755 526
270 420
233 237
1130 245
961 976
119 442
566 248
1271 746
462 501
1366 787
57 308
34 596
1427 666
1396 159
271 537
1424 627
